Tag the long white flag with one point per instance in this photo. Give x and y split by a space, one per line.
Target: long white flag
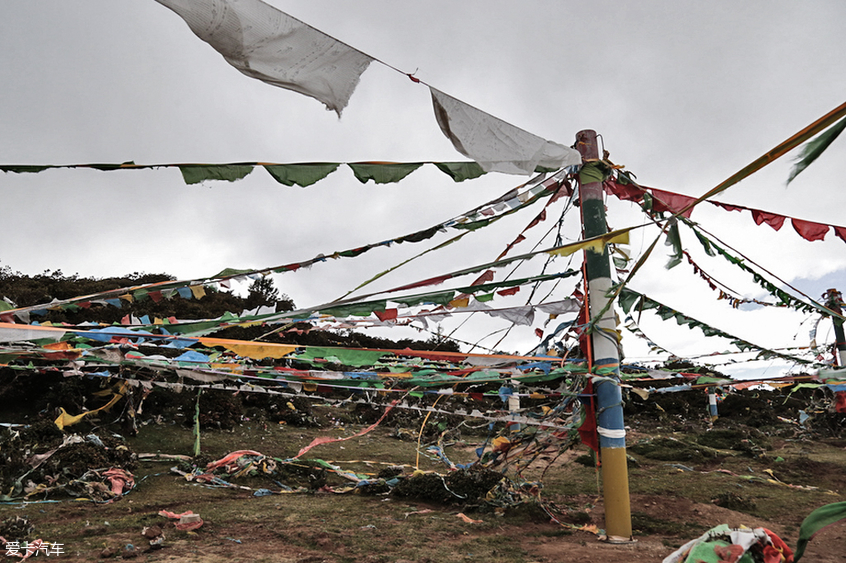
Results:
267 44
495 144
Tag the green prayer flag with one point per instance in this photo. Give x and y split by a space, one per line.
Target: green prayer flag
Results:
815 147
383 173
627 299
357 309
21 169
194 329
355 252
420 235
706 379
301 174
344 356
706 243
594 172
460 171
228 272
816 521
674 240
439 298
106 167
474 225
196 173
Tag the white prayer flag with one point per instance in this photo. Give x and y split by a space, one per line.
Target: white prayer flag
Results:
265 43
497 146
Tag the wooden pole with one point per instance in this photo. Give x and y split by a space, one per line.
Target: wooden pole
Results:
605 344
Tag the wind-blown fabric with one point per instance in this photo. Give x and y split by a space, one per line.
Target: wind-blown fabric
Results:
813 149
497 145
269 45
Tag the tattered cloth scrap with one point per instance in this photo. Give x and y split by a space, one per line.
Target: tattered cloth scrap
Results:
229 462
327 439
187 520
65 419
121 480
468 519
269 45
37 459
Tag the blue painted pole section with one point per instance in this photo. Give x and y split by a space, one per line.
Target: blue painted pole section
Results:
609 417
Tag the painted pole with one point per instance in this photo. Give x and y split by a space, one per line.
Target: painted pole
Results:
605 346
712 403
834 301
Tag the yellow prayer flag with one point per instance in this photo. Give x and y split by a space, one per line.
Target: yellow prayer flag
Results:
251 350
460 303
65 419
596 244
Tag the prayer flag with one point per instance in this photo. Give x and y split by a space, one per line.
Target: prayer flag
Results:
269 45
495 144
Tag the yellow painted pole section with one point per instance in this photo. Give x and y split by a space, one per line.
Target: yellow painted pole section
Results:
615 491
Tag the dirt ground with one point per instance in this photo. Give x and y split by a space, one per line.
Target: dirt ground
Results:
266 530
763 476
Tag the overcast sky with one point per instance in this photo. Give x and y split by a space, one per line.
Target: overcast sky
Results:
684 94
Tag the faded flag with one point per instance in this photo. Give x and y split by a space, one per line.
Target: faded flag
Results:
495 144
265 43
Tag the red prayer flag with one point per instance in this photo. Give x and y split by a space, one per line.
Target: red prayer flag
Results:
587 431
727 206
488 276
541 217
387 315
625 192
809 230
771 219
509 291
564 188
840 232
430 281
668 201
435 356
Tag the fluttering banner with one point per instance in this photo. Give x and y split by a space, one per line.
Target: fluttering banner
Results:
269 45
